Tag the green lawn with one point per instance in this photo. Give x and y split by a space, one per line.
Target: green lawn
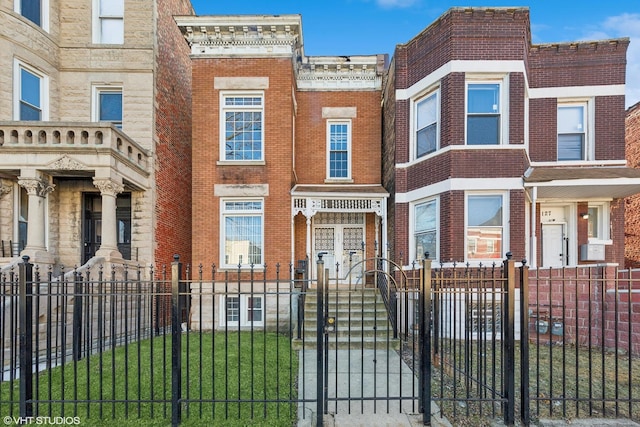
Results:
230 380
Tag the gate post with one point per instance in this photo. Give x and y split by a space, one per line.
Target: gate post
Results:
176 342
525 415
508 329
425 340
26 335
320 342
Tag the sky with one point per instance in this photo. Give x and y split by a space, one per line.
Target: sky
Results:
369 27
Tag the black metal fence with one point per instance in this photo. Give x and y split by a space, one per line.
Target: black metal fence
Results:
271 346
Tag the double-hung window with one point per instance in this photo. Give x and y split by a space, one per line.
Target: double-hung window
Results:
108 21
242 230
30 88
572 136
485 227
339 147
242 117
243 310
426 125
425 229
483 114
108 103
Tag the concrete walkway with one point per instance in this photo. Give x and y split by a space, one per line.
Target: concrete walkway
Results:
360 376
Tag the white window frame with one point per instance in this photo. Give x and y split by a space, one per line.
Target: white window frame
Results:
97 23
243 310
349 150
603 223
249 108
224 213
44 13
95 101
589 131
505 225
414 123
18 66
503 109
412 223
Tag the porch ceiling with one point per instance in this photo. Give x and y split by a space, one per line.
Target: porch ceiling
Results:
584 182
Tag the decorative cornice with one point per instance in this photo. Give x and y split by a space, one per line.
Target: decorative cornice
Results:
108 186
67 163
35 186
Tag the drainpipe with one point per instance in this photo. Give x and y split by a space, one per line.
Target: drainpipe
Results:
534 226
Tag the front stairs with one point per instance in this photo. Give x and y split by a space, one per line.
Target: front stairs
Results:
361 321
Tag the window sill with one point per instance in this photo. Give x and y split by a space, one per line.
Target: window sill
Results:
338 181
600 242
240 163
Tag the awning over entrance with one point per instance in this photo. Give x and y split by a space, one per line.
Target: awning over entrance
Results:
583 182
310 199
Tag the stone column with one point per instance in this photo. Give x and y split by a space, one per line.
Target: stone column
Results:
37 190
109 189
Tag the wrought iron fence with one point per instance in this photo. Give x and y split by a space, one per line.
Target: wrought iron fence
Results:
111 342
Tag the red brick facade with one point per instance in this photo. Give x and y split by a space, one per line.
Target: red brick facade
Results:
173 130
632 204
472 45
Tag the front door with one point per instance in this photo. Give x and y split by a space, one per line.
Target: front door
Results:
553 245
341 237
92 225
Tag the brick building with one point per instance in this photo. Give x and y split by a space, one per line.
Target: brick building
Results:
95 132
286 147
503 146
632 203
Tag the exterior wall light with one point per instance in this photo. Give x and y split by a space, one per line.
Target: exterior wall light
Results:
585 215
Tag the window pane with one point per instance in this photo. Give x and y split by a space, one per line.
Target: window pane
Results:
426 242
483 98
111 7
110 107
426 216
483 130
484 242
570 147
426 141
243 133
112 31
484 210
571 119
254 309
593 223
426 112
243 240
30 88
233 309
30 9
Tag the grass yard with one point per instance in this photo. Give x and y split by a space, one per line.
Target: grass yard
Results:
564 383
232 379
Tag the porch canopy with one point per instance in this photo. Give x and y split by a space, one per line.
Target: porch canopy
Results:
582 183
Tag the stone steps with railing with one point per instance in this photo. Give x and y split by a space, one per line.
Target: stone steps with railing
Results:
361 321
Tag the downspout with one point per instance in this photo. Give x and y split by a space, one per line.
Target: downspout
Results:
533 241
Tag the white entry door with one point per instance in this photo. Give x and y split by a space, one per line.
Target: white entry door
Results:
553 247
340 237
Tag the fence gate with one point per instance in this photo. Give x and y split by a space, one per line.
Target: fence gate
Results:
365 342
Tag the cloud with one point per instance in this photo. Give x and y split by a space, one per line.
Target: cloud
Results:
390 4
624 25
